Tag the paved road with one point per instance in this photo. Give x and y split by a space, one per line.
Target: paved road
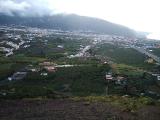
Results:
157 59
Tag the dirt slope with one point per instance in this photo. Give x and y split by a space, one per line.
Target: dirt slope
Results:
70 110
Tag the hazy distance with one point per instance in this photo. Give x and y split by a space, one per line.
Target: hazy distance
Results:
141 15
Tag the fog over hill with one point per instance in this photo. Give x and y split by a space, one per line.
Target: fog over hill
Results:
70 22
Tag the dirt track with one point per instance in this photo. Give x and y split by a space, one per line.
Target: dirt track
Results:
70 110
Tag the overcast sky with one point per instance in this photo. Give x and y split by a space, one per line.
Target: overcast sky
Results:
141 15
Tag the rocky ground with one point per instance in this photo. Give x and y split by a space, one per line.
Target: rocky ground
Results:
71 110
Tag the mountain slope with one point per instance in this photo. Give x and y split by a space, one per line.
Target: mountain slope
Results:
69 22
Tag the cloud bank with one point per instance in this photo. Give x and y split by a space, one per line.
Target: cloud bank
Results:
25 7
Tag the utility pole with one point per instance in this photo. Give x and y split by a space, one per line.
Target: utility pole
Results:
108 79
107 88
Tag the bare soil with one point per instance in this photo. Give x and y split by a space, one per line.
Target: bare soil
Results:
71 110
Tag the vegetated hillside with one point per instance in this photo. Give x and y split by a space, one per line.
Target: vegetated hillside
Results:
69 22
76 81
122 55
156 51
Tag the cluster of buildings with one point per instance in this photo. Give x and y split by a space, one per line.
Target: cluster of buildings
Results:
11 42
44 68
118 80
18 76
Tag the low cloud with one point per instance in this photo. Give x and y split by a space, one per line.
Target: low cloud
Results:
25 7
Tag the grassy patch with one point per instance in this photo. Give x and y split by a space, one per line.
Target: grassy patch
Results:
126 103
122 55
127 70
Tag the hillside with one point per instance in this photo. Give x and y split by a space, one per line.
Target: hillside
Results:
48 74
69 22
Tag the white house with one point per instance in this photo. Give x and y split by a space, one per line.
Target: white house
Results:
158 77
